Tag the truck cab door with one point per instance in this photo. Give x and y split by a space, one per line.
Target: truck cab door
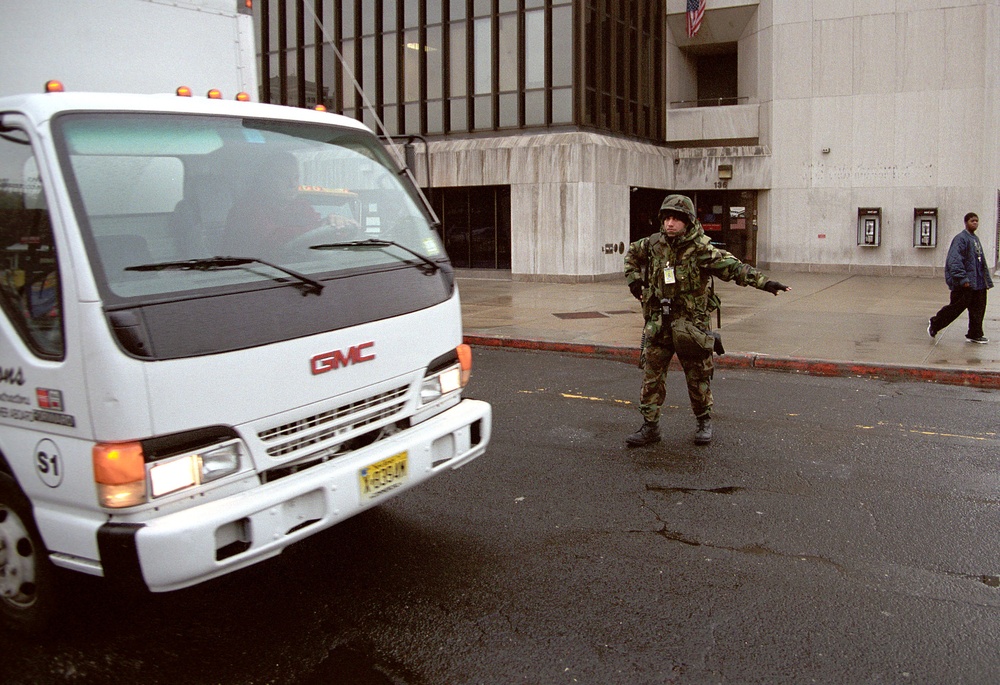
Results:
43 408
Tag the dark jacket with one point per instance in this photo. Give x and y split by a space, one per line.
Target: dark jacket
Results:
694 260
966 263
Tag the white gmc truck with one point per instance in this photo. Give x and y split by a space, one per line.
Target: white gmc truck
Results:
225 326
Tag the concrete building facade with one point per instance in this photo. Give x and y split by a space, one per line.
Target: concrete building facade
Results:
821 135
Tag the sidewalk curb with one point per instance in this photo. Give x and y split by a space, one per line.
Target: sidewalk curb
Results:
753 360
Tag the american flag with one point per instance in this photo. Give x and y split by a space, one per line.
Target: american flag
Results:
695 12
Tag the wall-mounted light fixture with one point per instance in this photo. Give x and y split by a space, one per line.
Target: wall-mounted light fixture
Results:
725 172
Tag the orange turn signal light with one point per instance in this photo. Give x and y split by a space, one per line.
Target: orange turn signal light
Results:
464 356
465 361
118 463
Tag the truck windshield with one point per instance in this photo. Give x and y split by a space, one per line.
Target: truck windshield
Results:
208 234
163 199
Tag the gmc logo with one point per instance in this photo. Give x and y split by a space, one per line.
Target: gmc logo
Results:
329 361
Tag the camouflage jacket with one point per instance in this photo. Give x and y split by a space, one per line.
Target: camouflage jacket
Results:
693 260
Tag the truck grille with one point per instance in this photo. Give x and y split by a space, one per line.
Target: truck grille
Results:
329 425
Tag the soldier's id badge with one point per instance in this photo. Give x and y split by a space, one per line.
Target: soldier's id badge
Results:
668 275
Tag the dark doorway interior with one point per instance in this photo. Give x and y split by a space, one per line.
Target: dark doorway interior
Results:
718 78
475 225
644 205
729 217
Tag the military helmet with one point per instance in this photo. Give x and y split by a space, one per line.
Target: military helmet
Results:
678 204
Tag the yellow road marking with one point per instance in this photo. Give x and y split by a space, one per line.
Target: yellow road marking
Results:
939 434
592 399
900 427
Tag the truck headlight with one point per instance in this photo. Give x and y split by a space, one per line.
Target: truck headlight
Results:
219 462
440 384
440 381
124 479
194 469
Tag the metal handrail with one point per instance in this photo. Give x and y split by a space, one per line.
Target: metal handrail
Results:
710 102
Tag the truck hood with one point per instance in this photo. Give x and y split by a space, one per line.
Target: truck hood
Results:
297 378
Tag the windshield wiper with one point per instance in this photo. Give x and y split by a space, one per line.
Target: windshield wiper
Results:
211 263
431 267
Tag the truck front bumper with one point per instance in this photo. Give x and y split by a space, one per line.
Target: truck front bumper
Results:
184 548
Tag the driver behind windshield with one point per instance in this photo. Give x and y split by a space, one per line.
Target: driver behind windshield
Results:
271 212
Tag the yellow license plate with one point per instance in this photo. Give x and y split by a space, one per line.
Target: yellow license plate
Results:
383 476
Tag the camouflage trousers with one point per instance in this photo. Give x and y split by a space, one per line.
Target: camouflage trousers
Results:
697 373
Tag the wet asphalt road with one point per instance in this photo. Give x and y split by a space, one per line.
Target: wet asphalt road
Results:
836 531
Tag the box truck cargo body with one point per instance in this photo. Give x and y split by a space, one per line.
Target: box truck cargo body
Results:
133 46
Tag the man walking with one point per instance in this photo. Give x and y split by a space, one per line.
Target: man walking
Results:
968 278
670 273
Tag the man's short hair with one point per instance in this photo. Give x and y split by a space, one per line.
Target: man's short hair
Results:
969 216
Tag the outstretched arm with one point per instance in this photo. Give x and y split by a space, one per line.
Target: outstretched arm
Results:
774 287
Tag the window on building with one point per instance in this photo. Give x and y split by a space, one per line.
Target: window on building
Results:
718 77
562 58
623 58
442 66
457 68
482 82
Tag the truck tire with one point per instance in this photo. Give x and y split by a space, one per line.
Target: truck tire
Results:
27 577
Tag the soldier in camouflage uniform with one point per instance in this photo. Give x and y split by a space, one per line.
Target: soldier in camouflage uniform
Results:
670 274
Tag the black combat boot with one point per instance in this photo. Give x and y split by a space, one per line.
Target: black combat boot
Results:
703 435
647 435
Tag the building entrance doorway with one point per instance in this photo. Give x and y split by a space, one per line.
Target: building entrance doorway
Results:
729 217
475 225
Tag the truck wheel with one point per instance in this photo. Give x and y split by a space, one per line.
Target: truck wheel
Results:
27 577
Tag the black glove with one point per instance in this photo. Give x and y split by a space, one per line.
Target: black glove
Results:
774 287
636 288
719 349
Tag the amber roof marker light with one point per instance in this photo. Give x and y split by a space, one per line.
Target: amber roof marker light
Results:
54 86
214 94
183 91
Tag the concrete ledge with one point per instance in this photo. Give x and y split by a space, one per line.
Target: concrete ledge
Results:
569 278
855 269
752 360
